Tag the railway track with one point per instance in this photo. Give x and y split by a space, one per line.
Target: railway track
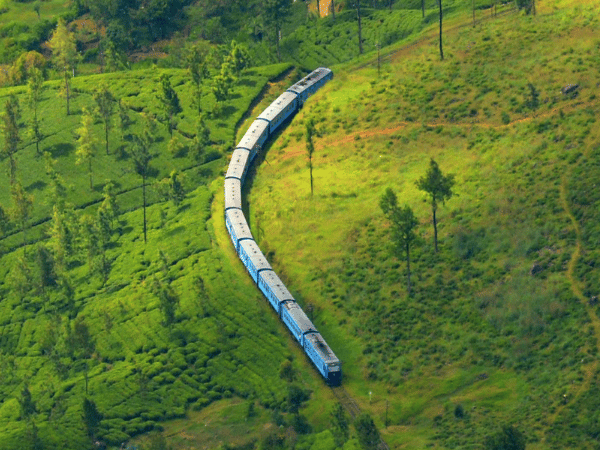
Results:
353 410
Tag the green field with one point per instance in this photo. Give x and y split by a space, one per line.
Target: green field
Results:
172 336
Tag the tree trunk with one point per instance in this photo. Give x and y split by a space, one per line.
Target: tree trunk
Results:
277 41
473 3
441 49
390 5
423 7
319 9
360 47
91 179
144 202
311 177
106 136
333 9
435 240
67 90
408 266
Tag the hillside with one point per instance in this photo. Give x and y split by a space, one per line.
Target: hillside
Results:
106 337
502 327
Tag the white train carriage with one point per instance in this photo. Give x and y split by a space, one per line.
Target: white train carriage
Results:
311 83
274 289
238 166
233 193
254 138
253 258
279 110
238 228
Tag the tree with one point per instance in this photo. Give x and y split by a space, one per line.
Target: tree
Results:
509 438
339 421
168 300
170 101
368 436
441 49
22 206
310 148
141 160
197 66
10 129
46 272
276 13
333 9
65 54
403 223
58 191
238 57
439 188
91 417
86 144
105 105
200 141
223 83
423 8
176 191
35 87
360 46
26 403
295 397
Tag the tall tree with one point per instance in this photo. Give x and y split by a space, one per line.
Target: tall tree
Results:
141 160
439 188
200 141
170 100
168 300
35 87
22 206
276 13
91 417
65 55
403 223
10 129
368 436
86 144
105 106
310 148
223 83
441 47
197 66
340 426
360 46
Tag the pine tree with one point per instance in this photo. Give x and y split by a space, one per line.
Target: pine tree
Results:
310 148
22 206
35 87
403 223
105 105
170 101
64 52
86 144
200 141
140 151
10 129
439 188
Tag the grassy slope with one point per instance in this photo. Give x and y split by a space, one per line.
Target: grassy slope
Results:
480 331
141 372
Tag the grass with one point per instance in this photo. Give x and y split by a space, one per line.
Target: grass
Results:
480 330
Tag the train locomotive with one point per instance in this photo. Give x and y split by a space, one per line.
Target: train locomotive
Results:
278 296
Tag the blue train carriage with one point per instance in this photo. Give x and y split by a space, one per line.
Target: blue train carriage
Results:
274 289
311 83
254 138
233 193
238 228
279 110
323 358
296 321
238 166
253 258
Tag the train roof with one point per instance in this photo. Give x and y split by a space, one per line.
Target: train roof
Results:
277 106
233 193
239 224
321 346
276 285
253 134
299 317
310 79
255 255
237 165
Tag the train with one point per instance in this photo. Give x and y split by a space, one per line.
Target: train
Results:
267 281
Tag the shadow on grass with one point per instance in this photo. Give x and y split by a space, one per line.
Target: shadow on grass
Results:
36 186
62 149
246 82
